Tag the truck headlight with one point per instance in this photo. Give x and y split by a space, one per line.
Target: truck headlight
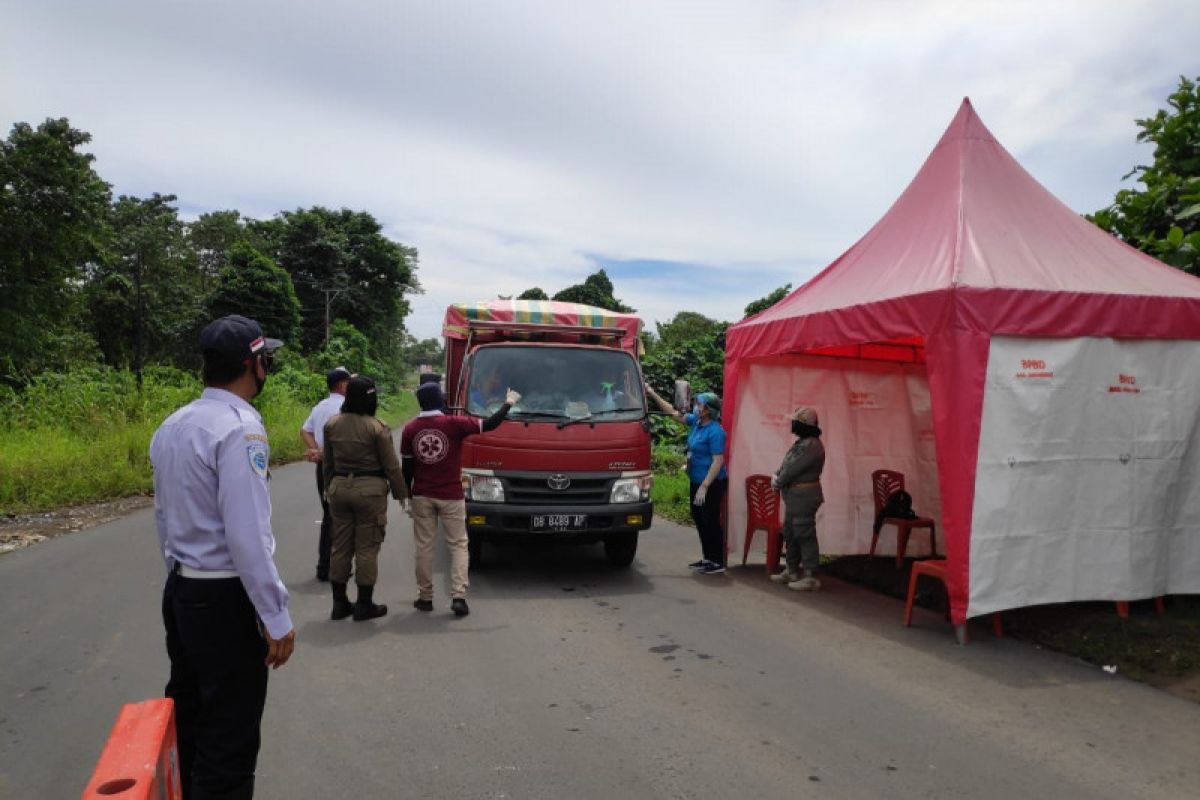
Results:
483 488
631 490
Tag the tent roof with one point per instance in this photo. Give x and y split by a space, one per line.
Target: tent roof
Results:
973 218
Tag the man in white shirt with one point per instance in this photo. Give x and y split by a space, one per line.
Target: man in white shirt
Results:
313 434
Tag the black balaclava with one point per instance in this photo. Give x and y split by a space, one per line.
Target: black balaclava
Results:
805 431
430 396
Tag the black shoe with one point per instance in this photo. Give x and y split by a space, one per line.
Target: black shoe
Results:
459 606
423 605
711 568
697 564
364 609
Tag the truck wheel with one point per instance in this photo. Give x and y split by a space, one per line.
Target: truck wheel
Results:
620 549
475 552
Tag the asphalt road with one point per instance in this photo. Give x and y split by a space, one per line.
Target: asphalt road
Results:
573 680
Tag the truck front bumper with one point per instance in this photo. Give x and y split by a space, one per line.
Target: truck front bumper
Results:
592 523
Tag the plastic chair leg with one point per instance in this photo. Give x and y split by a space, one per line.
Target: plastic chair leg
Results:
1158 605
902 535
997 625
1122 609
874 541
746 547
908 602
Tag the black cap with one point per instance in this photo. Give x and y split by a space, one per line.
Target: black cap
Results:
336 376
235 337
430 397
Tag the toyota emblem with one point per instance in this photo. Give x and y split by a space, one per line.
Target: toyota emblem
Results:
558 482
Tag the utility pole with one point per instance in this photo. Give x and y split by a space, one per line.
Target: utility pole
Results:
330 294
138 319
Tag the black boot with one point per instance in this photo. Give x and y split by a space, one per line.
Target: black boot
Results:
341 603
364 608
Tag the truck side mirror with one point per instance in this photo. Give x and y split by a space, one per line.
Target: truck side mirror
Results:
683 396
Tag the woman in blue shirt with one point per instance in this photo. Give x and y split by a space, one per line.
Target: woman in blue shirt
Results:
706 474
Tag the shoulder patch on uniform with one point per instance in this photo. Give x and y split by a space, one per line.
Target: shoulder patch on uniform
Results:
258 453
256 437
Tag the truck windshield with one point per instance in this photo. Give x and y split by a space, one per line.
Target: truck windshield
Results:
556 383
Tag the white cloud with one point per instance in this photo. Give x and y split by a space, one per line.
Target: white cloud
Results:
508 141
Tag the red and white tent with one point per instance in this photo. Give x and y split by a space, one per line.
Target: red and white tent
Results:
1037 381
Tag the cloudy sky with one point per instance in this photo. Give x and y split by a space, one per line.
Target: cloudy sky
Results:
702 152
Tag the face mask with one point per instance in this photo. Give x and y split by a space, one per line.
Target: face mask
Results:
802 430
259 383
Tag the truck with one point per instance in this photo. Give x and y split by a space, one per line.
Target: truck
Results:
571 463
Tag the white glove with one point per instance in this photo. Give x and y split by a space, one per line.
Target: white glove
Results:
774 483
701 493
512 397
406 506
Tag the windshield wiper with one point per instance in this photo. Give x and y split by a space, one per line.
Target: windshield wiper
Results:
551 414
616 410
592 417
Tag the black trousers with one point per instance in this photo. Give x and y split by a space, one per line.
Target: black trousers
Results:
708 520
218 682
325 543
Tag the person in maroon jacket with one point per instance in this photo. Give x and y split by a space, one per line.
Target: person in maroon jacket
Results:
430 453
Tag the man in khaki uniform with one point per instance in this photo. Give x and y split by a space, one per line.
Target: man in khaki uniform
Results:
360 466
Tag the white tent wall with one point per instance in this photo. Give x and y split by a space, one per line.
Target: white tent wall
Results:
873 415
1088 477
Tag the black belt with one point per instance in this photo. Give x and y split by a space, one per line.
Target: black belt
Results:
370 473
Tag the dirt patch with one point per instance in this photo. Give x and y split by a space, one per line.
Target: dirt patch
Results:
1162 650
22 530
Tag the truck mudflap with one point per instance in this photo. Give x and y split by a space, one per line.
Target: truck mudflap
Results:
499 522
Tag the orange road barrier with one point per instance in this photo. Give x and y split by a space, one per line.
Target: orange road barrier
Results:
140 760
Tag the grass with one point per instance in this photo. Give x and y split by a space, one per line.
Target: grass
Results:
84 436
671 486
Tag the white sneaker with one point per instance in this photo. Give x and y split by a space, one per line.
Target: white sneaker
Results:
807 584
785 577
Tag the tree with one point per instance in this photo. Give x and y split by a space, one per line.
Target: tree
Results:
348 348
253 286
343 267
423 351
144 292
53 208
1163 217
686 326
533 294
763 303
596 290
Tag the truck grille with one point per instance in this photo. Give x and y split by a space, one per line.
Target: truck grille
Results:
534 490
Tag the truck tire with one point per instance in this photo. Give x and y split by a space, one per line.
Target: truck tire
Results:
620 548
475 552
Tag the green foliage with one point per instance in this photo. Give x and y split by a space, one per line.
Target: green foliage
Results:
596 290
252 285
671 487
1163 217
416 352
84 435
53 207
763 303
344 267
533 294
686 326
143 295
349 348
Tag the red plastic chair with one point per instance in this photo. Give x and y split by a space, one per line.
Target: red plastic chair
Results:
762 511
936 569
883 483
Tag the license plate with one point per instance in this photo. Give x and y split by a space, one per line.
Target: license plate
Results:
558 522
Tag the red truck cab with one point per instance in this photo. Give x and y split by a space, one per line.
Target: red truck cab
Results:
571 463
